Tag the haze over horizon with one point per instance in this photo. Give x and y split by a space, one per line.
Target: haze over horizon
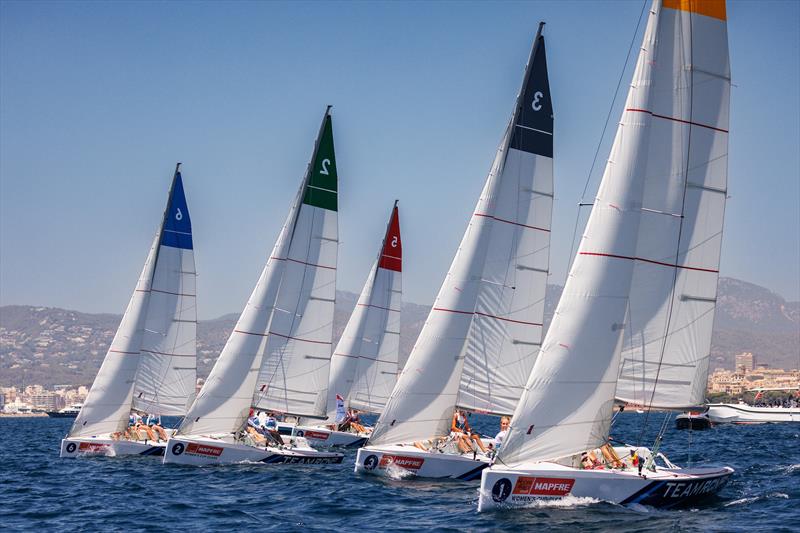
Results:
99 100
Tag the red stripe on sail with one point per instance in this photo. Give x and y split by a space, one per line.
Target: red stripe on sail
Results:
392 252
486 315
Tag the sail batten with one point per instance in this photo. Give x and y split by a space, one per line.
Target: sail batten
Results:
466 354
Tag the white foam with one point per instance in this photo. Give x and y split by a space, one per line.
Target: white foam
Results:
565 501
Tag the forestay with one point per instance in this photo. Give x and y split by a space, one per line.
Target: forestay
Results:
667 166
364 365
482 335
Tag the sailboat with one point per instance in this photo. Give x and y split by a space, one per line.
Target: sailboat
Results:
277 358
481 338
635 318
150 367
364 365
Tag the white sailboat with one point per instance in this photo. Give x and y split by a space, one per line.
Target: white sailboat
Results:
150 367
277 357
482 335
364 365
634 320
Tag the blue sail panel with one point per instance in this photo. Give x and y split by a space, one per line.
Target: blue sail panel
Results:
177 231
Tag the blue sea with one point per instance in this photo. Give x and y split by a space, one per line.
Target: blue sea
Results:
39 491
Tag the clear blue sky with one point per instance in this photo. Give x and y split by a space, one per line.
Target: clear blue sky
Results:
98 101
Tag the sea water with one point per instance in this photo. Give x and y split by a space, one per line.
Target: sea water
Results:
39 491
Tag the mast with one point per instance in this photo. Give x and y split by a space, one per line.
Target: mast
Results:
647 261
483 332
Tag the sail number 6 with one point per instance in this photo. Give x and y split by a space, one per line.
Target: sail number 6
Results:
179 215
325 163
536 105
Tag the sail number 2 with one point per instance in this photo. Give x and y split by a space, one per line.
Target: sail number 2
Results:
535 104
325 163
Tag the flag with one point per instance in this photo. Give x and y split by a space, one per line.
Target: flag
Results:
759 395
340 414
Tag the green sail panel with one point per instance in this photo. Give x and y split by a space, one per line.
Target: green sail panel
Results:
321 188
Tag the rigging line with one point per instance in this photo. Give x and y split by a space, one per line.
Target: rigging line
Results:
671 306
571 257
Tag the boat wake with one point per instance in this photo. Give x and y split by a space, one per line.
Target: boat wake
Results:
751 499
564 502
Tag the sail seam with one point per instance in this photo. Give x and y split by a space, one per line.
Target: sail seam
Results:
302 262
661 263
379 307
486 315
173 293
676 119
510 222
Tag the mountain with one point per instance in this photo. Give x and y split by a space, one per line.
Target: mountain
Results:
51 346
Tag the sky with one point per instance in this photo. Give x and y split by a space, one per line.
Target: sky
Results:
99 100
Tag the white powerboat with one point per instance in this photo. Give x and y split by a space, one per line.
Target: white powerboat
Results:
741 413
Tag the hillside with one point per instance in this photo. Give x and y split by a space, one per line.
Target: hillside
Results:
53 346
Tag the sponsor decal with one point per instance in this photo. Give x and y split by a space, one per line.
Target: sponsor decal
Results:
178 448
687 489
300 433
92 447
371 462
501 490
409 463
203 449
318 435
313 460
542 486
71 447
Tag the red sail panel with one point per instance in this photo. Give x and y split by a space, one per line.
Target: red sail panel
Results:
392 253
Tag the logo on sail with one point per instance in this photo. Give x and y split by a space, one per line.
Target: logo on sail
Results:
318 435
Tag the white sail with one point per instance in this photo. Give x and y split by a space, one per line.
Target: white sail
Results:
108 403
223 403
364 365
239 378
665 354
483 333
165 381
646 196
296 367
129 363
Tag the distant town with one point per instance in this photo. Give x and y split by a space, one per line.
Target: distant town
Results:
749 376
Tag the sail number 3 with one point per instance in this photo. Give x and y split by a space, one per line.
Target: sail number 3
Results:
535 104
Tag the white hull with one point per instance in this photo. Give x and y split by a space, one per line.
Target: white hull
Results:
729 413
401 461
192 450
324 437
106 446
502 487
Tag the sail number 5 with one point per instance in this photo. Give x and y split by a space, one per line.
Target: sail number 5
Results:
394 241
325 163
536 105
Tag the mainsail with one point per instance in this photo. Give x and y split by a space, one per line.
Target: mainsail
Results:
169 267
644 280
482 335
364 365
283 336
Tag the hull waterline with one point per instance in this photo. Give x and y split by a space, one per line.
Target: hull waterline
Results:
108 447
